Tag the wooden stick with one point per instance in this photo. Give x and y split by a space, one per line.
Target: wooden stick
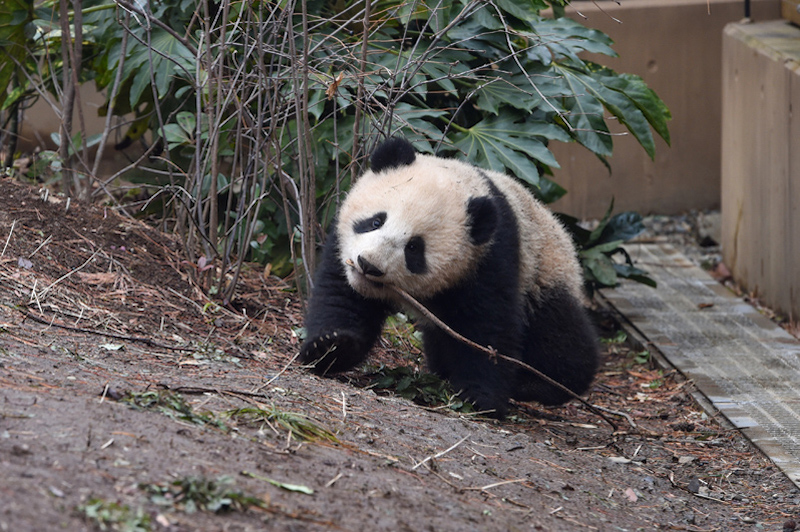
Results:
10 232
109 334
442 453
493 354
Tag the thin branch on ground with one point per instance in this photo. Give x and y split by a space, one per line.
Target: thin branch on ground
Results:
10 232
67 275
493 354
442 453
116 336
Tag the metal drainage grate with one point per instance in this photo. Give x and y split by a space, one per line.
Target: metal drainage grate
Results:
748 367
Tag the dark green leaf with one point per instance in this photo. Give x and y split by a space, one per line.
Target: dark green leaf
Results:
566 38
418 127
607 248
549 191
648 102
644 279
598 231
623 226
628 114
504 145
584 112
175 136
525 10
502 91
441 67
472 35
602 268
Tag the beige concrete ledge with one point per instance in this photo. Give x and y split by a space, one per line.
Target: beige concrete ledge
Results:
761 161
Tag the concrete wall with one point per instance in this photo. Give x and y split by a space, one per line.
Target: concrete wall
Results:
761 161
41 120
676 46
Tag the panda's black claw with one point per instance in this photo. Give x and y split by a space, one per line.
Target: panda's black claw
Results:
333 352
493 402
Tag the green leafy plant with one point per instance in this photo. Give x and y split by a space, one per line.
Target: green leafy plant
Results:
109 515
642 357
400 332
598 248
655 384
620 337
192 494
252 118
173 405
424 389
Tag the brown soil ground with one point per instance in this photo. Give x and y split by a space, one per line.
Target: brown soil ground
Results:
94 308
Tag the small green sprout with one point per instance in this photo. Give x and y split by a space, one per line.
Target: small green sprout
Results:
191 494
107 515
173 405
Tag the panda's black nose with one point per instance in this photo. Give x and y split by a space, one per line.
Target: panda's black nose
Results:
368 268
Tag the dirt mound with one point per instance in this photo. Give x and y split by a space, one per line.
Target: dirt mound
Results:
129 400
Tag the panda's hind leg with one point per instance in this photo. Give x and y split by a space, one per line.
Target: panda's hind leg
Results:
561 342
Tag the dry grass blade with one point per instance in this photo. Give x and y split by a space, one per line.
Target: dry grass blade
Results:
496 484
44 292
298 425
8 239
442 453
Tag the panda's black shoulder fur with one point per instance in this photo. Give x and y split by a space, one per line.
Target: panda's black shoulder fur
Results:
393 153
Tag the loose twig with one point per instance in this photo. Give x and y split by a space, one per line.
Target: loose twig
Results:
437 455
494 485
66 275
109 334
493 354
628 418
10 232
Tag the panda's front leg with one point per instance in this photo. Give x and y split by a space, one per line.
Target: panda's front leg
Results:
341 325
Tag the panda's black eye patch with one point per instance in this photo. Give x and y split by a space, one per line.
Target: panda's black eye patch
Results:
372 223
415 255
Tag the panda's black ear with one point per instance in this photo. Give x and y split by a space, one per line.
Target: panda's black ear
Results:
482 214
392 153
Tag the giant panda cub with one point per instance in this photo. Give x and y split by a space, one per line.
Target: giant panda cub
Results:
480 252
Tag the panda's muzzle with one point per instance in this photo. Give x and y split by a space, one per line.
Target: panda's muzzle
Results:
367 268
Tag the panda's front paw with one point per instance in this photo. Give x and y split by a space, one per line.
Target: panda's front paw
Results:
492 407
488 401
332 352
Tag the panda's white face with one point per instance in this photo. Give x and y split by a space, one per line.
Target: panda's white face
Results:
409 227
